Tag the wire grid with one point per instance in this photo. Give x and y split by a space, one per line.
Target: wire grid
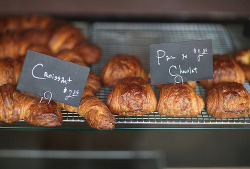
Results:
134 39
239 40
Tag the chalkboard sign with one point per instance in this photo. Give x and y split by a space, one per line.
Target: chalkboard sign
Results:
181 62
53 78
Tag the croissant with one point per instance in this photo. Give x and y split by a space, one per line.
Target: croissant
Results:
63 35
35 36
71 56
94 111
132 96
242 57
225 69
179 100
228 100
10 71
15 106
19 32
12 46
90 52
121 66
19 23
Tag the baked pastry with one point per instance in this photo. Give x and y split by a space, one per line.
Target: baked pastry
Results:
24 22
10 71
179 100
228 100
17 33
65 37
242 57
71 56
225 69
15 106
94 111
132 96
90 52
12 46
121 66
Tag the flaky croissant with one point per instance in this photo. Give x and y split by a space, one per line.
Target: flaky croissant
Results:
228 100
17 33
10 71
24 22
132 96
225 69
179 100
12 46
94 111
242 57
15 106
121 66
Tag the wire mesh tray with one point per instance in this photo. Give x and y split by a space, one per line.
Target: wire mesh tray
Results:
134 39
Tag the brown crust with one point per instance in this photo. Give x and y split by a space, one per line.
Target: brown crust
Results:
19 32
94 111
242 57
15 106
132 96
121 66
179 100
228 100
61 35
10 71
90 52
225 69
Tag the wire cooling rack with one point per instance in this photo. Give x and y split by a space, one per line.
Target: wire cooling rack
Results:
134 39
239 40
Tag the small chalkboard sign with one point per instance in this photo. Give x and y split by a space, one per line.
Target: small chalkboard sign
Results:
181 62
53 78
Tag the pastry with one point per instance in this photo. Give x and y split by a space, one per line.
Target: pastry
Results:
179 100
15 106
242 57
90 52
10 71
121 66
228 100
132 96
225 69
18 33
93 110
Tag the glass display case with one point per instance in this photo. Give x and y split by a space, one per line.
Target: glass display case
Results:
145 141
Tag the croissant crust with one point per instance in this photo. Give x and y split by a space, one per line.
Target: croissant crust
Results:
228 100
121 66
225 69
179 100
132 96
15 106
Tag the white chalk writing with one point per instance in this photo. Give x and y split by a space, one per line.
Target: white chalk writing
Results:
44 96
47 75
200 53
162 54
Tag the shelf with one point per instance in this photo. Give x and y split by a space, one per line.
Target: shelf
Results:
134 39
